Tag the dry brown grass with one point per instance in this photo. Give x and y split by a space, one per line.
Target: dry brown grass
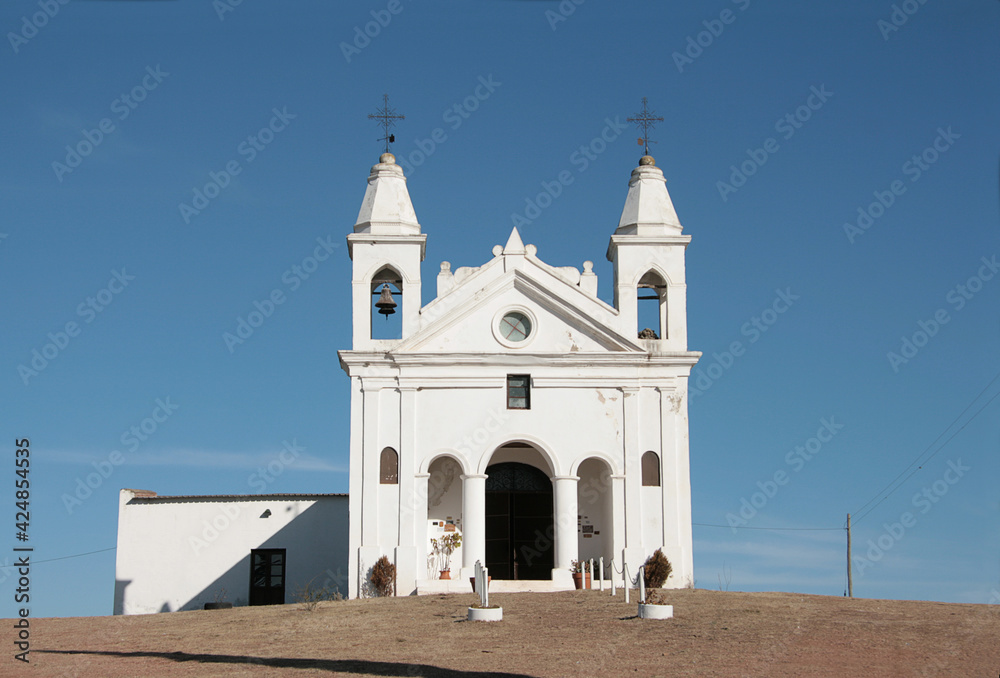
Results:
582 633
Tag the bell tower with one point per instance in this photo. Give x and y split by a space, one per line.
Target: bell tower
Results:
386 249
647 250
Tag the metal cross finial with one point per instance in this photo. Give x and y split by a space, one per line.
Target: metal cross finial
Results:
645 121
387 119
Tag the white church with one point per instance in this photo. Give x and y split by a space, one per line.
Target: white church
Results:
516 409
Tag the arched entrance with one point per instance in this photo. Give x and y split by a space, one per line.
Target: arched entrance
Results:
519 526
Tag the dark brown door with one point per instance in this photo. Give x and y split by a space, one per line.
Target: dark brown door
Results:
267 577
519 525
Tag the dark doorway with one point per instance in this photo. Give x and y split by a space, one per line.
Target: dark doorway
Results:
519 526
267 577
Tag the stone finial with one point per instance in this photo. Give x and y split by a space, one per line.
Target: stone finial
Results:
646 160
387 159
588 280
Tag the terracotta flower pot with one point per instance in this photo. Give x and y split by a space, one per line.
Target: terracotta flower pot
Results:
446 574
472 580
578 580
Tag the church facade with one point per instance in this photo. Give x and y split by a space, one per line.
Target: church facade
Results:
517 409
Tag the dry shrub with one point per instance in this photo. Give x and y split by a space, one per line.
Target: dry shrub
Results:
657 569
383 576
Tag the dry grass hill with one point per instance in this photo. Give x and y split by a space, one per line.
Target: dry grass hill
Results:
581 633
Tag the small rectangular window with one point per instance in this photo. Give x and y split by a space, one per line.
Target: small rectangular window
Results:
518 392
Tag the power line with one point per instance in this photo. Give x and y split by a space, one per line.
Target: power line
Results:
967 407
781 529
931 456
75 555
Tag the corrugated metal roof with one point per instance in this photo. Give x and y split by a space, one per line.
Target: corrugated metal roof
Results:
152 496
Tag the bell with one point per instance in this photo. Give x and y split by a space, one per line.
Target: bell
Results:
385 305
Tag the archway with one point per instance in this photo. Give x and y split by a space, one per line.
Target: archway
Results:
595 538
519 526
444 510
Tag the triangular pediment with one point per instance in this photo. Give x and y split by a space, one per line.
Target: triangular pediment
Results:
563 319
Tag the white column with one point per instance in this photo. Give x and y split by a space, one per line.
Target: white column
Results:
633 479
473 522
371 391
618 511
422 544
632 466
564 489
408 568
407 467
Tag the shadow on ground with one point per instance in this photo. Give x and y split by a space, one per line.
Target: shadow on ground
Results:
358 666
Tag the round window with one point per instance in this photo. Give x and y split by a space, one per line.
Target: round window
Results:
515 326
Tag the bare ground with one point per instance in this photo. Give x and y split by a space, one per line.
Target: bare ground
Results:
581 633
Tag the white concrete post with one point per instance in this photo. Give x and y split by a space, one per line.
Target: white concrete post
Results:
473 521
601 565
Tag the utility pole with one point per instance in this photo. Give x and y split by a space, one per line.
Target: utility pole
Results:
850 578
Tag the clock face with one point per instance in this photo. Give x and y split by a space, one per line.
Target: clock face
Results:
515 327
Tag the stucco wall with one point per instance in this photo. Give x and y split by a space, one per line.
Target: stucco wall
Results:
179 553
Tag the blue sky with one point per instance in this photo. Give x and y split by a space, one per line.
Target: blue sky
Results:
782 123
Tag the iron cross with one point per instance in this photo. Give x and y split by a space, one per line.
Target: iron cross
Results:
387 119
645 121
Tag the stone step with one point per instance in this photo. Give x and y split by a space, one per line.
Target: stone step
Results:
427 587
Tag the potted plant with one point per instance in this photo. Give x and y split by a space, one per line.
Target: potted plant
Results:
655 606
655 572
443 548
581 574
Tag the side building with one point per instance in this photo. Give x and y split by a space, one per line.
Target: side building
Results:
178 553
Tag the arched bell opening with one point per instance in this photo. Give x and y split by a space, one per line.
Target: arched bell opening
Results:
651 302
387 306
